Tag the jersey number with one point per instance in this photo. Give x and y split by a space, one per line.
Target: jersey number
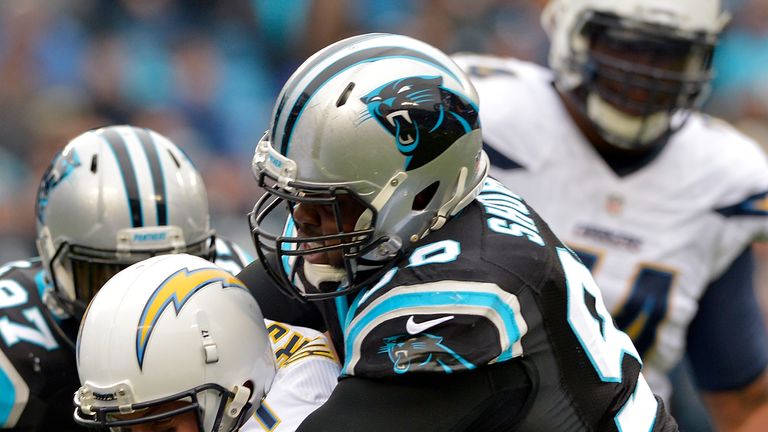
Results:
604 344
647 304
11 295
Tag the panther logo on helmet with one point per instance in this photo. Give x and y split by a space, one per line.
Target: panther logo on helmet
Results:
424 117
61 167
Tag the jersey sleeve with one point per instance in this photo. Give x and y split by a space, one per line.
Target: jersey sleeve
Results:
307 372
729 315
737 181
443 326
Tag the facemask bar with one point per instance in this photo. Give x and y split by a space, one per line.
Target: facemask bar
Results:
103 417
91 268
288 249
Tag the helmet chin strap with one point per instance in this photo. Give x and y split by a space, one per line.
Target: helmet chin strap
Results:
624 130
442 213
461 197
232 413
317 274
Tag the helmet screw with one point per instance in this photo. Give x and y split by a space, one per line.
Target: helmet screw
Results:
121 392
233 411
394 182
414 238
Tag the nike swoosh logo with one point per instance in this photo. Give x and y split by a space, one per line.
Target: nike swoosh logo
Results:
412 327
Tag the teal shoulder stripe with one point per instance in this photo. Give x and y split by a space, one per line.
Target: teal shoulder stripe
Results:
410 302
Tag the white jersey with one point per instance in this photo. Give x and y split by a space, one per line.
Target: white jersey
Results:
665 226
307 372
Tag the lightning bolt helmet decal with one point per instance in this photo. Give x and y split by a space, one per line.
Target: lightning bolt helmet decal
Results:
177 289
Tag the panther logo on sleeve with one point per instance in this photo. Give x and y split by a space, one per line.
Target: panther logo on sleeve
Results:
424 352
424 117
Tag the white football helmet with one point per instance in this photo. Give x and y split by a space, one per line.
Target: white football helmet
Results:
172 328
381 118
659 49
112 197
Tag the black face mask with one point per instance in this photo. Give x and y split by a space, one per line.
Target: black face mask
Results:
91 268
273 232
643 69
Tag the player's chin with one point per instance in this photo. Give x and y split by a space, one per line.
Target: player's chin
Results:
317 258
333 259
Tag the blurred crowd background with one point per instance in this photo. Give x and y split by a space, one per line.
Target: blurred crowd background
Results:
206 73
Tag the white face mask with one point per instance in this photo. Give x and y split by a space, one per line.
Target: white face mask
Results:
624 130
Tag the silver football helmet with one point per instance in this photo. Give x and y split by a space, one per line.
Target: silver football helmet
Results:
112 197
169 336
635 68
384 119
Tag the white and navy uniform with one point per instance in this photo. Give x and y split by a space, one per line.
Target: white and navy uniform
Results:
307 372
655 236
38 374
493 287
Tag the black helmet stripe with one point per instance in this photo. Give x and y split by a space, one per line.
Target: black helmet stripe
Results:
311 65
156 171
120 149
366 55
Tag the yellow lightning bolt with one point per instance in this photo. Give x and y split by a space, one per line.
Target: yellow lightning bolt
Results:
176 289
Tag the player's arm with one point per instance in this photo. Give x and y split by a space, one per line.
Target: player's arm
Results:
468 400
743 410
728 349
274 304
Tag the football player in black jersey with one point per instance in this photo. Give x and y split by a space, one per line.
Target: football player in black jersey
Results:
450 302
111 197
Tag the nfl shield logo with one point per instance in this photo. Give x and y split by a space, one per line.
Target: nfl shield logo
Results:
614 204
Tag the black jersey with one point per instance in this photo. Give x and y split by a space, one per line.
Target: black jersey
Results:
38 375
495 285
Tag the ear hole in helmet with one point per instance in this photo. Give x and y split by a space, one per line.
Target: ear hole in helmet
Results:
345 95
176 161
423 198
249 385
94 163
